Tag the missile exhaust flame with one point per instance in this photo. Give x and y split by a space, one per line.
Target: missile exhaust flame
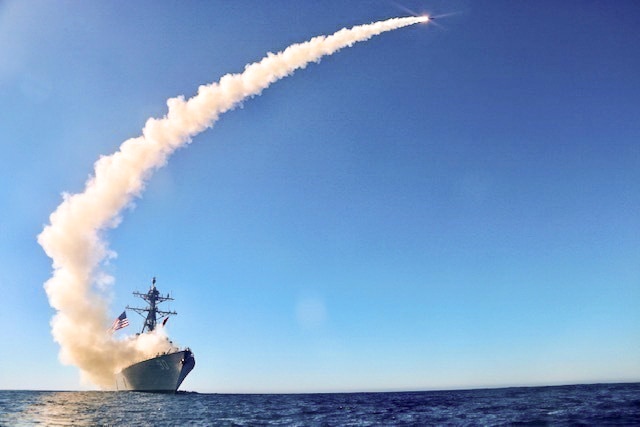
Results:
74 239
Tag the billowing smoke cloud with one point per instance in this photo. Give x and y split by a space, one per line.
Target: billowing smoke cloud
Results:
74 239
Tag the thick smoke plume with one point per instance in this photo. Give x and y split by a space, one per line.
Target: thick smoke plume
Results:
74 239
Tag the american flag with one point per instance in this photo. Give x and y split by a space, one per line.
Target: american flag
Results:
120 322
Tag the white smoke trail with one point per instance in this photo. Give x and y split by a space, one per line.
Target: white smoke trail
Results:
74 241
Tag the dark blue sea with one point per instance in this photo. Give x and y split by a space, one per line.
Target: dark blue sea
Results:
593 405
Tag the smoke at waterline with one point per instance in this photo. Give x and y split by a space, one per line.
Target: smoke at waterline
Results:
74 237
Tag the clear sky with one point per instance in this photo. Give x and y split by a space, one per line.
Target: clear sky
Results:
448 205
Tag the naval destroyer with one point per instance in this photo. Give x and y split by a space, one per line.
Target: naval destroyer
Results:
165 372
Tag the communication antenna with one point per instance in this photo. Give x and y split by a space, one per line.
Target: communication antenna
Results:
151 313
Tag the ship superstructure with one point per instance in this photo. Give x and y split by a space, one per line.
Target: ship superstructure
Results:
164 372
153 298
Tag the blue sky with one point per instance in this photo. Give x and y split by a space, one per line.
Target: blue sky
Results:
443 206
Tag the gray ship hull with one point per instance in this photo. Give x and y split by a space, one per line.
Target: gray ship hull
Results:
162 374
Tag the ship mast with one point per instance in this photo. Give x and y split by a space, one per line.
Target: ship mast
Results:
153 298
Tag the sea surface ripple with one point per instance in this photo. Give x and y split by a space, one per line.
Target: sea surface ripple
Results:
597 404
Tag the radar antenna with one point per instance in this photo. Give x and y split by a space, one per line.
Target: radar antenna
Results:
153 298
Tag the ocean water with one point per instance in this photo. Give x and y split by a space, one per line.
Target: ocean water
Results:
597 405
